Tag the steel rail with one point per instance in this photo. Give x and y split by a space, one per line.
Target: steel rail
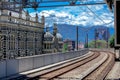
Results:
52 74
102 70
49 5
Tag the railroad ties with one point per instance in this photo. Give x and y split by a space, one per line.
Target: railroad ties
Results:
94 66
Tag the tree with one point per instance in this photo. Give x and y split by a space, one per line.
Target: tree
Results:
85 45
99 44
111 41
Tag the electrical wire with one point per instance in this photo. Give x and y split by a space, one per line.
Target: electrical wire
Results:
96 15
104 23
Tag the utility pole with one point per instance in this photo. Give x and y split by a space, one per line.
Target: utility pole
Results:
77 36
107 37
87 39
95 37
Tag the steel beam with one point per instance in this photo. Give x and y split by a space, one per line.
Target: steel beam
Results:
47 4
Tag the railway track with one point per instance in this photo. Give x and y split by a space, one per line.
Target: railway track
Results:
58 72
100 72
65 71
62 70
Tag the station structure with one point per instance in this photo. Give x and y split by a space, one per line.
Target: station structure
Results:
23 35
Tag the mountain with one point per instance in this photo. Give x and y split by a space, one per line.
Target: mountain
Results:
69 31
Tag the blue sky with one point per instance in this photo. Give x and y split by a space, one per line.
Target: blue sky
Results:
86 16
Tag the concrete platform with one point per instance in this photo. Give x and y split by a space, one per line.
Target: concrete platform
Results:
114 74
47 67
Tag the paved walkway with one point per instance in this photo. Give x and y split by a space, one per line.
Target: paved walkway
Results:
117 54
114 74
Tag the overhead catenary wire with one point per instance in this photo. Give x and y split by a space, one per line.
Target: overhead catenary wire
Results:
105 11
104 23
95 14
101 20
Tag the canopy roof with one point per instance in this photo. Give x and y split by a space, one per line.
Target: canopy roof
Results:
19 4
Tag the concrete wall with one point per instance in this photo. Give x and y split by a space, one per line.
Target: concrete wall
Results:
3 68
15 66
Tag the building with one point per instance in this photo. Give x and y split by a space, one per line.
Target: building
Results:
68 45
102 34
80 45
23 35
52 42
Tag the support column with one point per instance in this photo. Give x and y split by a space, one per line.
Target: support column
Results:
95 37
35 43
26 43
18 41
87 39
4 46
107 35
8 43
77 36
119 54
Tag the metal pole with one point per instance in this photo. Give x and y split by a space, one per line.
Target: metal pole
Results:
26 45
77 36
35 43
107 37
87 39
95 38
119 54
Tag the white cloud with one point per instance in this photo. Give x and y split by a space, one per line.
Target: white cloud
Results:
77 16
33 14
